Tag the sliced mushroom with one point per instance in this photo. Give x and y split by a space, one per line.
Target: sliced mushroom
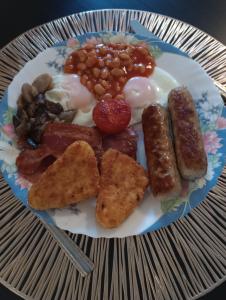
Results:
21 102
41 119
54 108
22 114
43 83
28 92
21 122
23 128
67 116
31 109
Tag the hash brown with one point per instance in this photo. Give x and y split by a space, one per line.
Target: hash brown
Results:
122 185
71 178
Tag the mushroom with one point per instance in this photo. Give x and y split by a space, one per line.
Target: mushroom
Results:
43 83
21 102
28 92
54 108
21 124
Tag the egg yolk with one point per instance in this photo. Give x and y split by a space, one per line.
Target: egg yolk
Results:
139 92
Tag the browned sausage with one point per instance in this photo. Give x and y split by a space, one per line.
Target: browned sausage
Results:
163 174
189 147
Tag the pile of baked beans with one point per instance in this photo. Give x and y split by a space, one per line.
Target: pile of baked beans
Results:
105 68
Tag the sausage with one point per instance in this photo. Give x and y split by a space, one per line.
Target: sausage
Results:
189 146
164 177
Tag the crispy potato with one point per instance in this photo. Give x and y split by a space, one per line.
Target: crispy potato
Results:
122 186
71 178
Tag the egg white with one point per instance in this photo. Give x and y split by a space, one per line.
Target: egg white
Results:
68 90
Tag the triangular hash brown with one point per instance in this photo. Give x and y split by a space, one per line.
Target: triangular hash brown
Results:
122 186
71 178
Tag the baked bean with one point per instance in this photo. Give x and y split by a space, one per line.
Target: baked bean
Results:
99 89
115 63
89 85
100 63
107 63
149 59
81 66
91 61
105 84
130 50
107 96
82 56
84 79
96 72
92 52
122 79
127 62
104 73
124 56
84 52
117 72
120 97
143 51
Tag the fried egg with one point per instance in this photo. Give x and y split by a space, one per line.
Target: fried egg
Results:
143 91
68 90
140 92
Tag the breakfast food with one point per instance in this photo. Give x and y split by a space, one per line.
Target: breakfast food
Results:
189 146
31 163
71 178
125 142
82 121
105 68
163 174
112 116
122 186
58 136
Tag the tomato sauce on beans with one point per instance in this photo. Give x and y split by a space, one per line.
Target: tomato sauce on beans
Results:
105 68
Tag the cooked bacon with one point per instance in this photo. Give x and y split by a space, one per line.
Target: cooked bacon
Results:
58 136
31 163
125 142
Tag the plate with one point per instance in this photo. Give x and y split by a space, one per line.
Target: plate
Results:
183 260
150 214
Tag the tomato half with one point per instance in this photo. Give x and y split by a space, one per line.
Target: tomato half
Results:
112 116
